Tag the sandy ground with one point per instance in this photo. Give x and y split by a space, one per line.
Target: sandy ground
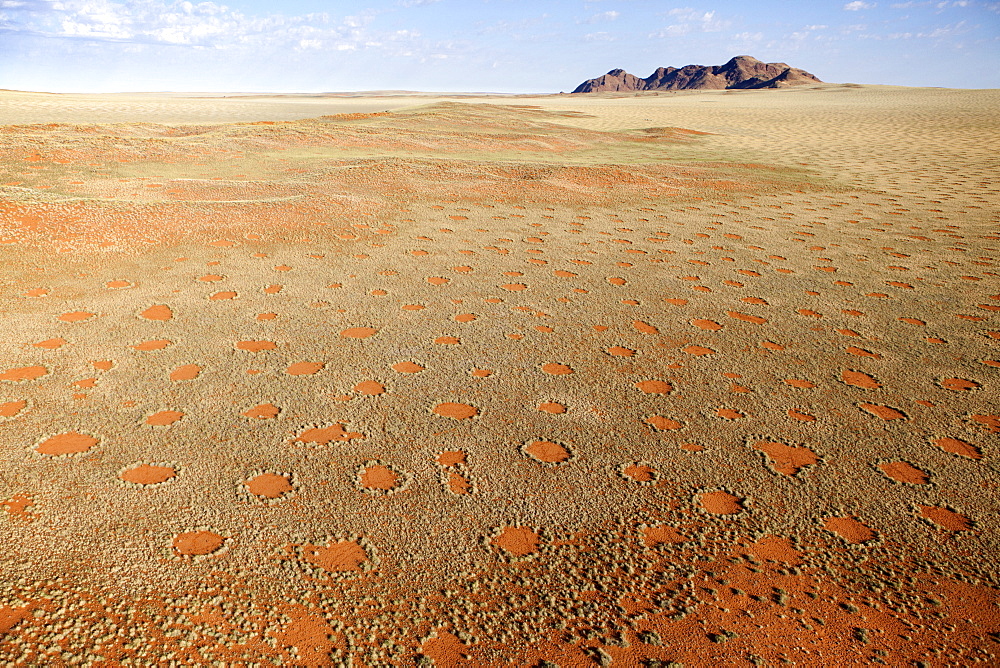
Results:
698 379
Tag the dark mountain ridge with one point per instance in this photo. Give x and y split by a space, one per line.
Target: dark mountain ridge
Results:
741 72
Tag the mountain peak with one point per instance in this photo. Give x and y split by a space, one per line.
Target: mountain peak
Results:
739 72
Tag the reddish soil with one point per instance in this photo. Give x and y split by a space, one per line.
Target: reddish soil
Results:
489 385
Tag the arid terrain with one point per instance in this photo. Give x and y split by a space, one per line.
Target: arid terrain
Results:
698 378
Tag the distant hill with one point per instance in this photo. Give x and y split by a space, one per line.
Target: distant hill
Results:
740 72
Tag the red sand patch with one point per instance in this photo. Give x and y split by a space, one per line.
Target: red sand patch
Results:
552 408
639 472
197 543
159 312
548 452
17 506
10 409
459 484
67 443
861 352
147 474
848 528
256 346
944 518
326 435
51 344
24 373
379 477
263 412
556 369
720 503
407 367
787 459
455 411
304 368
164 418
957 446
746 317
186 372
371 388
340 557
11 617
148 346
451 458
707 325
76 316
859 379
518 541
776 548
359 332
698 351
662 535
959 384
884 412
904 472
663 423
269 485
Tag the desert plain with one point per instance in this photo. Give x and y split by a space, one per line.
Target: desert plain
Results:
702 378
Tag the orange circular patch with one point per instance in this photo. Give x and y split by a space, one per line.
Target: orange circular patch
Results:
518 541
67 443
370 387
344 556
407 367
548 452
256 346
197 543
269 485
186 372
556 369
848 528
654 386
159 312
304 368
263 412
358 332
455 411
721 503
147 474
378 477
24 373
164 418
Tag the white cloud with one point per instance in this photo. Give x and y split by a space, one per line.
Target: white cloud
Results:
603 17
691 21
858 5
184 23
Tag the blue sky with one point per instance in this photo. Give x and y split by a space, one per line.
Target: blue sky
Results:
479 45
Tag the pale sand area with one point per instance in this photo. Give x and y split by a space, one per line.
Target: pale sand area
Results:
481 384
18 107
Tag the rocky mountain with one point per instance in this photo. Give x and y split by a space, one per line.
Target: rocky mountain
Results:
739 72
